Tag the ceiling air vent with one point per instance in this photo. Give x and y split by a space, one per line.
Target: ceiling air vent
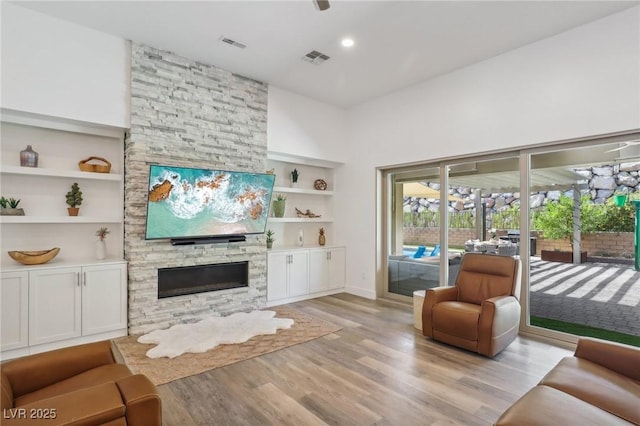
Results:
232 42
315 57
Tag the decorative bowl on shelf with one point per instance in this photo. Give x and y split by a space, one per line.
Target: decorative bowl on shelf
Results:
37 257
86 166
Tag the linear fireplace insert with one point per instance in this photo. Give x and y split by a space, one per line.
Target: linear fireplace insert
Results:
183 280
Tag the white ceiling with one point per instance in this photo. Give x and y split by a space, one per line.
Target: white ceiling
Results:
398 43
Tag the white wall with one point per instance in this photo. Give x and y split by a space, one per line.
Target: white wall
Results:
579 83
298 125
57 68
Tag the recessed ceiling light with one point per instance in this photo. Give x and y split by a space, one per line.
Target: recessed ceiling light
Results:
347 42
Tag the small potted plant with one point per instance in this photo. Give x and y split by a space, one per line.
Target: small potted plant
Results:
620 197
101 246
270 238
279 203
294 178
10 207
74 199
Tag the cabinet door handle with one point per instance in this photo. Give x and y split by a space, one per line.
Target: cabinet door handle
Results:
78 279
84 278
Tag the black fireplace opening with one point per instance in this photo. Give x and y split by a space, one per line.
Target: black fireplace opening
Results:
202 278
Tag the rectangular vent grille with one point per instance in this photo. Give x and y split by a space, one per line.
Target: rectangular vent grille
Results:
232 42
315 57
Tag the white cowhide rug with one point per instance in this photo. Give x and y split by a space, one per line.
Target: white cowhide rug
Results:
207 334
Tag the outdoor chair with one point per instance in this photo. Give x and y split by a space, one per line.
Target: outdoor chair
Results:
481 312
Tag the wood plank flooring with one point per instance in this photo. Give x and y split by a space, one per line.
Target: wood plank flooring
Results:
377 370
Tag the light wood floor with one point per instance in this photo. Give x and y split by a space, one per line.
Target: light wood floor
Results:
377 370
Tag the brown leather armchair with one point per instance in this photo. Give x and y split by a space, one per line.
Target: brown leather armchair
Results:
79 385
481 312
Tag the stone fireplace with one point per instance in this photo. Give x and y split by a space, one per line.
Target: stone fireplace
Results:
185 113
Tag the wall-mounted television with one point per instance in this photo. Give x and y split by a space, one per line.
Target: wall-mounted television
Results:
189 205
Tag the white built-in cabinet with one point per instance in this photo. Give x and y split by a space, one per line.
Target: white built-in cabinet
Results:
302 273
288 274
326 269
303 269
14 316
94 298
45 308
73 298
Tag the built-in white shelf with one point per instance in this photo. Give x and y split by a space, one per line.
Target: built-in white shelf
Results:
76 174
288 190
60 219
297 159
299 220
59 123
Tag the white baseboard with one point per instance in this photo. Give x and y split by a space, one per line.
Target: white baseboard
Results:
356 291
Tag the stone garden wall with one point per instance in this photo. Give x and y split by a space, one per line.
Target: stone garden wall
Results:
603 182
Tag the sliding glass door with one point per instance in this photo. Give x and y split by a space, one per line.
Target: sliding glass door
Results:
573 230
582 279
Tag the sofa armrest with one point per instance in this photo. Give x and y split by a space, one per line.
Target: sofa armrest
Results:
498 315
617 357
90 406
143 405
432 297
34 372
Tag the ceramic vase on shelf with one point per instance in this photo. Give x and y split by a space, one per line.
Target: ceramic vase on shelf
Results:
278 207
101 250
28 157
300 237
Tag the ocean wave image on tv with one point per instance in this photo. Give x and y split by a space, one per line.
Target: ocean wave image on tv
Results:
186 202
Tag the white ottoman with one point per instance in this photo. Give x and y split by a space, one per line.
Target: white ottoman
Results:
418 300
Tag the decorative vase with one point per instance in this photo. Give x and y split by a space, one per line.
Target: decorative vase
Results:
294 184
300 237
28 157
101 250
73 211
269 244
278 208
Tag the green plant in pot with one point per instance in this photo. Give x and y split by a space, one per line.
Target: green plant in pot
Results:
270 238
279 203
294 177
74 199
10 207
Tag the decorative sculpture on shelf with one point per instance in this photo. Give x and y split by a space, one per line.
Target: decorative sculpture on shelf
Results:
320 184
308 213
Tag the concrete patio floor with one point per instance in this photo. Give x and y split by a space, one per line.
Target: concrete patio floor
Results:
602 295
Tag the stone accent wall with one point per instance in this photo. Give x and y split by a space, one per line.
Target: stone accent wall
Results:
186 113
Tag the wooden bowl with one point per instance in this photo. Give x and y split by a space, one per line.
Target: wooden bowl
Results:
85 166
34 257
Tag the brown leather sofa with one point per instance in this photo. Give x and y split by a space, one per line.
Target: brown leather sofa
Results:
80 385
598 385
481 312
